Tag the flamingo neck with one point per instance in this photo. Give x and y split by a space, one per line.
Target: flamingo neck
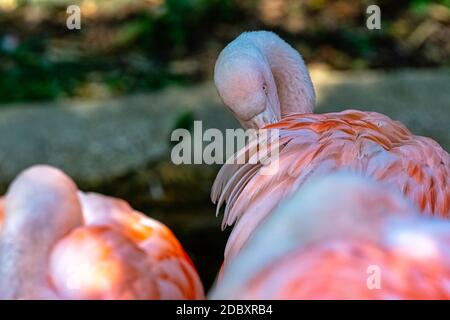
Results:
41 207
293 82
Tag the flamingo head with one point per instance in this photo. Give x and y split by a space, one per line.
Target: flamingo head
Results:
246 86
261 78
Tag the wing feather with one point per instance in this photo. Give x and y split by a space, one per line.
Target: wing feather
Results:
313 144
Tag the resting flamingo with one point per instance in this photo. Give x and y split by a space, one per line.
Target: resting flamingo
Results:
264 82
58 243
342 236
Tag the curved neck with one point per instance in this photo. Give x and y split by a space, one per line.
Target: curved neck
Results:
41 207
294 86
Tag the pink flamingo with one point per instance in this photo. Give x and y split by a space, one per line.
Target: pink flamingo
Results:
264 82
58 243
363 242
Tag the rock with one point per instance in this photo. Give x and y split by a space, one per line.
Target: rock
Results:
92 141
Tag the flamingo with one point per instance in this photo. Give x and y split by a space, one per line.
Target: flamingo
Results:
342 236
59 243
264 82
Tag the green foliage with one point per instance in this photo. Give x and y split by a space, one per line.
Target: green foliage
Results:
135 50
185 120
27 76
186 22
420 7
28 73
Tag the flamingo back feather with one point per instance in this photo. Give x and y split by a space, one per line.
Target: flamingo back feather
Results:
320 243
59 243
311 145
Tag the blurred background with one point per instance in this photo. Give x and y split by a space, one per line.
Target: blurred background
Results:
101 102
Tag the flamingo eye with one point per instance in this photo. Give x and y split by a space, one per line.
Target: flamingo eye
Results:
265 88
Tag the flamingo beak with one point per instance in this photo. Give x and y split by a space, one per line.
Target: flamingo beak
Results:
269 115
261 120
